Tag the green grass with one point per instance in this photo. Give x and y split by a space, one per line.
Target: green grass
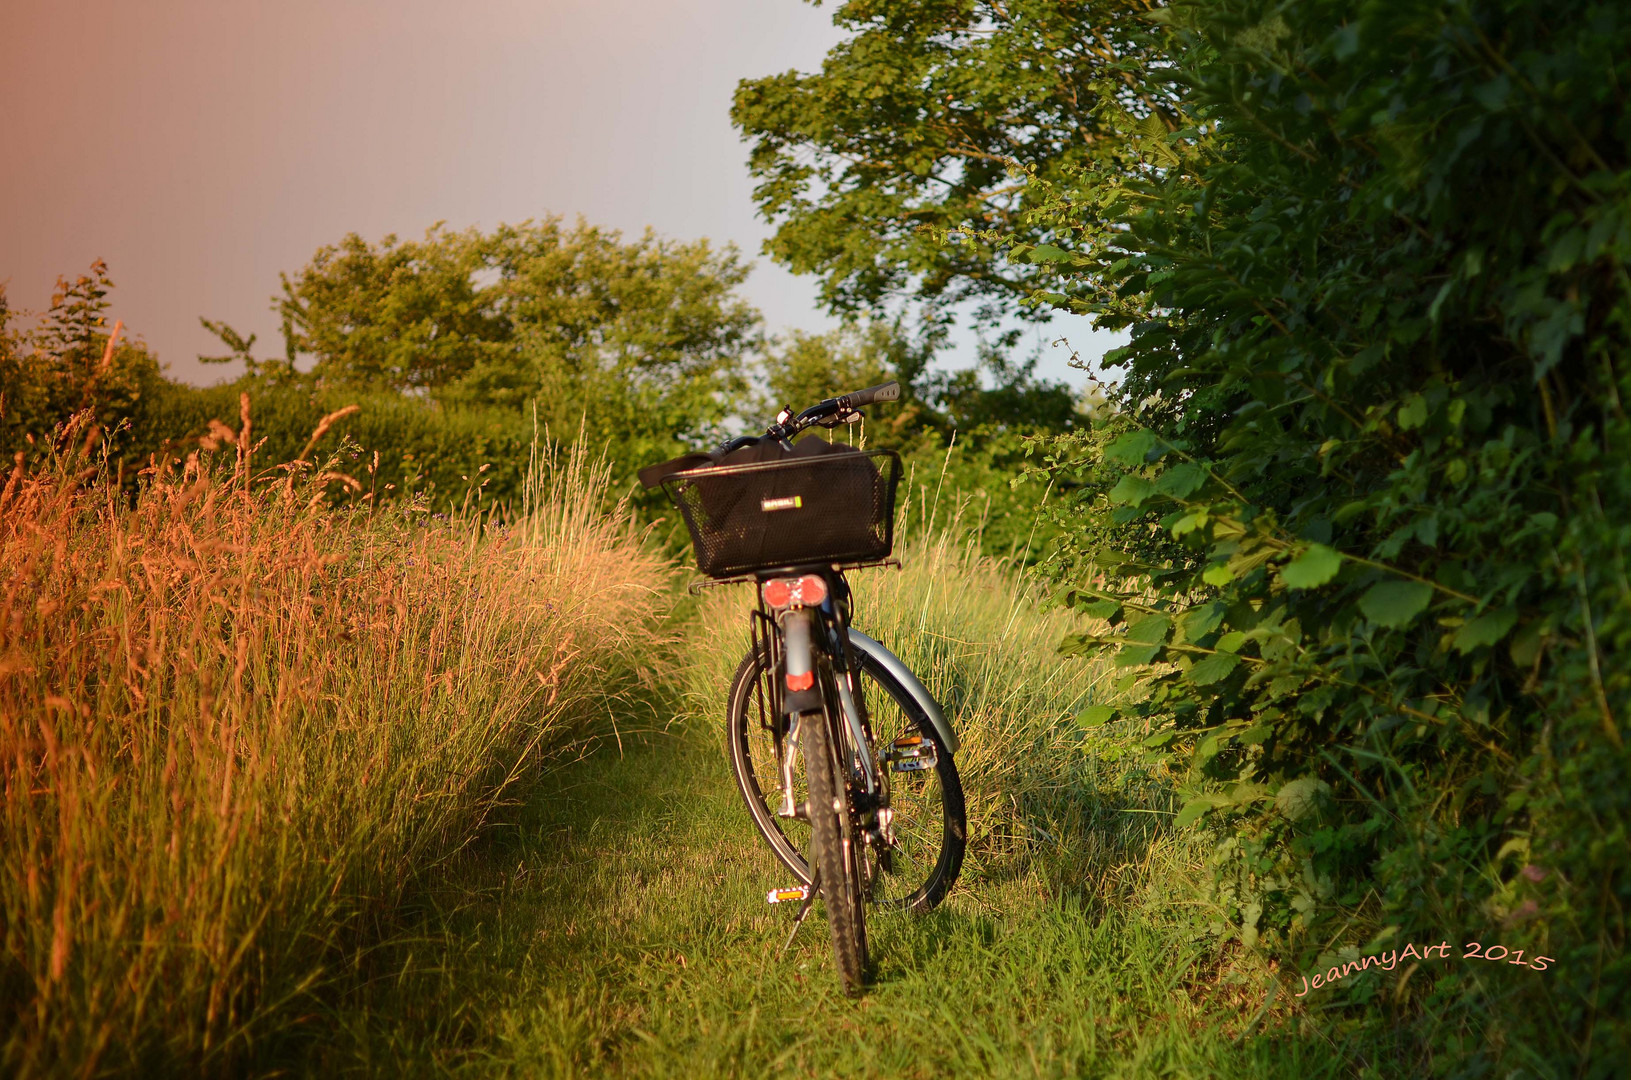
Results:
618 926
616 923
410 878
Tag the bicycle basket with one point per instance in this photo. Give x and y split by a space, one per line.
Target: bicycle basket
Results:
831 508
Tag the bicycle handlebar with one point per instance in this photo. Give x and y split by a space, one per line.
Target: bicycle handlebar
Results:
787 426
889 391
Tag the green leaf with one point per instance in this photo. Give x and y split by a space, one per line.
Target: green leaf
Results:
1395 603
1096 716
1254 735
1301 797
1136 655
1493 94
1201 620
1525 645
1079 645
1487 629
1349 511
1048 253
1100 609
1195 808
1131 449
1231 642
1218 575
1188 523
1181 482
1244 794
1213 668
1413 413
1149 630
1130 490
1313 568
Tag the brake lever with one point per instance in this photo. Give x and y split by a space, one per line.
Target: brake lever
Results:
851 417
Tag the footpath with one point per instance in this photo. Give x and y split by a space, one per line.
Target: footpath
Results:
617 926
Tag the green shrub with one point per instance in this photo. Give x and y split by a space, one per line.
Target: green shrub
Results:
1377 282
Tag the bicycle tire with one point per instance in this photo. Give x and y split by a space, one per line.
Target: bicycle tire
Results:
933 851
836 849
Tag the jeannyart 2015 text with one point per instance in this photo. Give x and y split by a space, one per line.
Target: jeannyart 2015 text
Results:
1391 959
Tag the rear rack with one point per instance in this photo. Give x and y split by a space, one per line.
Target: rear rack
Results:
696 587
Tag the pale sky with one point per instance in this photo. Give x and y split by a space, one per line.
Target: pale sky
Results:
202 147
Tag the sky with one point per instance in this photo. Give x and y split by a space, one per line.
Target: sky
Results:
201 148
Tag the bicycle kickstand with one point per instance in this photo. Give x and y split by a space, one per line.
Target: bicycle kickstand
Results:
804 910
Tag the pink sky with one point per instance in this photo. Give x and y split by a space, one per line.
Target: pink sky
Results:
203 147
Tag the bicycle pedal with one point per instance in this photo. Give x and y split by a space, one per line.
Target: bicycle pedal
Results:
781 896
912 753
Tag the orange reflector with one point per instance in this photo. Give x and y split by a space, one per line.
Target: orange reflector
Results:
781 896
801 682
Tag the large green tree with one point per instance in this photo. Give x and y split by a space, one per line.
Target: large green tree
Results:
645 336
912 130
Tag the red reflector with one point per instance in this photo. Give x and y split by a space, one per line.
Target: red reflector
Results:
812 590
807 591
801 682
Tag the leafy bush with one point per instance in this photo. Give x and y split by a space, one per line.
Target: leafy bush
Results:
1376 276
72 361
388 445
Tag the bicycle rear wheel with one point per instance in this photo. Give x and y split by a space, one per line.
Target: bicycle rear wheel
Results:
836 848
930 829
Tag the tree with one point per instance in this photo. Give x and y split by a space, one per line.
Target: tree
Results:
646 335
911 132
64 364
934 403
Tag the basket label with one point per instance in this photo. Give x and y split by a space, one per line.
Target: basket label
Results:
792 502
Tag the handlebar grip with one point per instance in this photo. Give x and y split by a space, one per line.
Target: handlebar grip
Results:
889 391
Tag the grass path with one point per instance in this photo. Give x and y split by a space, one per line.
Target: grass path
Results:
618 927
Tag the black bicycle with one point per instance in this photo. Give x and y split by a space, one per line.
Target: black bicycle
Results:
843 757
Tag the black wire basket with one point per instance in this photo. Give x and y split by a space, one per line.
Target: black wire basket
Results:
831 508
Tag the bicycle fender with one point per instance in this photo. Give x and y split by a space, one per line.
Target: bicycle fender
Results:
914 686
798 661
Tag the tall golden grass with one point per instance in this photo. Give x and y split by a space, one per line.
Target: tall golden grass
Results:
237 727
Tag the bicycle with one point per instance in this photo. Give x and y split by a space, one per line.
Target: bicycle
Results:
868 806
